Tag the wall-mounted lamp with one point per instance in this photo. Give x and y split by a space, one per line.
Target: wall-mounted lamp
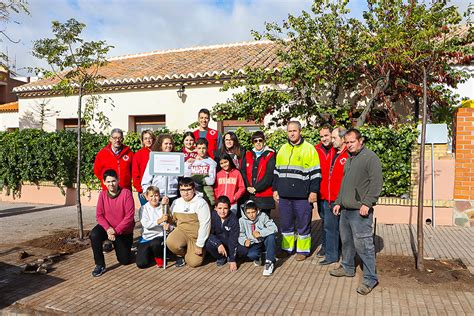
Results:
180 92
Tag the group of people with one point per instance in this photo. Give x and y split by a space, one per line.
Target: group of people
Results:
222 204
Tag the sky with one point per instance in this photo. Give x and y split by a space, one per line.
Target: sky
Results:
136 26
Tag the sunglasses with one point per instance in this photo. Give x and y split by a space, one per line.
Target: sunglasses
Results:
257 140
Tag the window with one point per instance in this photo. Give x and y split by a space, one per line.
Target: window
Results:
69 124
232 125
144 122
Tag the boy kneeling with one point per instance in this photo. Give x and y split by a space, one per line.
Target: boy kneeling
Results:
257 234
192 217
223 240
154 221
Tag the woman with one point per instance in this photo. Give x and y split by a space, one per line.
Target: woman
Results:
232 147
188 146
164 143
257 169
140 161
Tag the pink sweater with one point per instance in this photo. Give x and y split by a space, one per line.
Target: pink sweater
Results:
117 212
230 184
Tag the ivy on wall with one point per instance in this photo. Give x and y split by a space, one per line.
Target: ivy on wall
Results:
33 156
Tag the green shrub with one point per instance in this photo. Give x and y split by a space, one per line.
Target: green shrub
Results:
33 155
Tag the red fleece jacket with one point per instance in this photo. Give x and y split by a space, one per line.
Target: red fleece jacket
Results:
230 184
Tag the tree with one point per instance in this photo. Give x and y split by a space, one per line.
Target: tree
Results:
7 8
75 66
339 69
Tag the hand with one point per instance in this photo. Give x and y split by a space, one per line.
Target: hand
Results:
190 160
233 266
251 190
336 210
276 197
247 243
162 219
110 231
364 210
256 234
221 250
166 226
165 200
313 197
198 251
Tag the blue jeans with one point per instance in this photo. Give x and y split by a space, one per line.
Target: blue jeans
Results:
254 251
331 232
356 237
322 215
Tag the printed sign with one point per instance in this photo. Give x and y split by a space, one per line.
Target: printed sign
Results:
166 164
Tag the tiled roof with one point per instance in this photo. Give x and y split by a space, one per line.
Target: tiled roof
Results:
9 107
188 66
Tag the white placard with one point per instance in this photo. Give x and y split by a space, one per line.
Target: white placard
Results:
166 164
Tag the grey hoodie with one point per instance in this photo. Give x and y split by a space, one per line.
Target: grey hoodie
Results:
263 224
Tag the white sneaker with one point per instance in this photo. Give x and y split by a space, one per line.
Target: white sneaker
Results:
268 270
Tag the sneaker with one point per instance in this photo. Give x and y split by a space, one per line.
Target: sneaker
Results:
179 262
300 257
340 272
159 262
321 253
220 262
364 289
326 262
98 271
268 270
258 262
107 246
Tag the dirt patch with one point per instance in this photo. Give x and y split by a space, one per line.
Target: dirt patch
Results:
64 241
398 271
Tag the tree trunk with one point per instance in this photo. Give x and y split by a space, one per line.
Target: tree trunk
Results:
78 170
382 85
419 232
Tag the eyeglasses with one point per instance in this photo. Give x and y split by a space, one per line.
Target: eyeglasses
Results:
116 138
258 140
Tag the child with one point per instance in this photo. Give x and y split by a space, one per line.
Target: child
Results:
229 182
150 246
188 147
223 239
203 171
257 234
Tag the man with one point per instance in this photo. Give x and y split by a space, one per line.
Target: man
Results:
193 222
115 156
115 217
325 150
360 189
295 187
330 184
213 137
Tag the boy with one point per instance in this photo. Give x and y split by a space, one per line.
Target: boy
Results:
257 234
192 217
203 171
115 217
223 239
153 220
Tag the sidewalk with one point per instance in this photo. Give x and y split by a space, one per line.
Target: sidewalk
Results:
296 287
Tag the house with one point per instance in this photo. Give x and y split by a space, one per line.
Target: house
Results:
8 100
155 89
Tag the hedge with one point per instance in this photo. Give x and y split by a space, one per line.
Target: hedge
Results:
33 155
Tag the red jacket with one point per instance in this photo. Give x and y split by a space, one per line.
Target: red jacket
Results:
331 182
121 163
325 159
212 137
188 155
258 175
140 160
230 184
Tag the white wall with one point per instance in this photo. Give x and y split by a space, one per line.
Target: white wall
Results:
8 120
137 102
466 89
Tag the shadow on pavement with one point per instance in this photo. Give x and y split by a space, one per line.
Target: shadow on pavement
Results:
26 209
14 285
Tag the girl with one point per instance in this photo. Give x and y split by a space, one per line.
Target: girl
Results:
233 148
188 147
164 143
229 182
140 160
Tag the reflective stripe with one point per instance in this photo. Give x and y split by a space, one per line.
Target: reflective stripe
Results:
303 244
288 242
288 234
298 168
314 176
